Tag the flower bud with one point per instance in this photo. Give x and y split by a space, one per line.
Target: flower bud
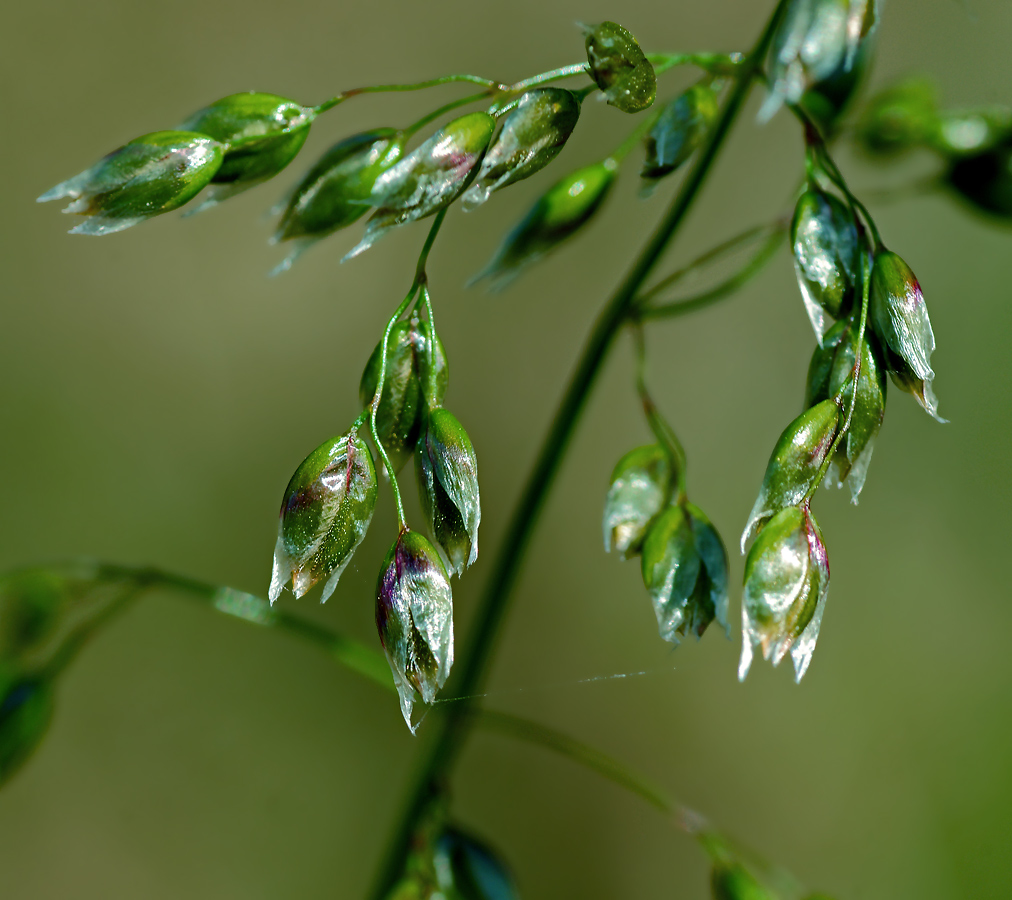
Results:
26 706
985 179
826 247
531 137
786 584
263 133
559 213
732 881
153 174
640 487
447 473
679 130
685 571
794 468
815 40
326 511
899 118
336 191
414 616
900 318
399 415
429 178
619 67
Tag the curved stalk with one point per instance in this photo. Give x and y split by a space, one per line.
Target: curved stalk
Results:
476 657
718 292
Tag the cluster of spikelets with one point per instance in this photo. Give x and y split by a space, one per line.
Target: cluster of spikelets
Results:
864 303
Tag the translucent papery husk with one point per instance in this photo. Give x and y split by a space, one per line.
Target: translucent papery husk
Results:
679 131
795 466
336 191
447 472
153 174
557 215
685 571
639 489
399 414
414 617
429 178
825 244
786 585
325 514
816 40
532 135
899 317
619 67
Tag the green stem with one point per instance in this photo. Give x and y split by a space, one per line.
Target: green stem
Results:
378 396
416 86
635 136
477 654
718 292
750 235
664 433
435 114
419 281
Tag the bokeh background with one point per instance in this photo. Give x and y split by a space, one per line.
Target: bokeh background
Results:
157 390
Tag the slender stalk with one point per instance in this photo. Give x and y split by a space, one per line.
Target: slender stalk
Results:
664 433
718 292
416 86
712 255
436 113
477 654
419 281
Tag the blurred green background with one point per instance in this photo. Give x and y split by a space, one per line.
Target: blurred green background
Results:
157 391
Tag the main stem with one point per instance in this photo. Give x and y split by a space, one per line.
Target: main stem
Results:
477 655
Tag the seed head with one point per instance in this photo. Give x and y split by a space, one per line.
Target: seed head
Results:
414 617
447 474
831 374
619 67
679 131
899 317
786 584
794 468
337 190
815 40
685 570
559 213
826 247
530 138
429 178
640 488
262 134
153 174
400 411
325 513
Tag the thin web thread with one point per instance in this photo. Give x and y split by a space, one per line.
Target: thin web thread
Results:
554 686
